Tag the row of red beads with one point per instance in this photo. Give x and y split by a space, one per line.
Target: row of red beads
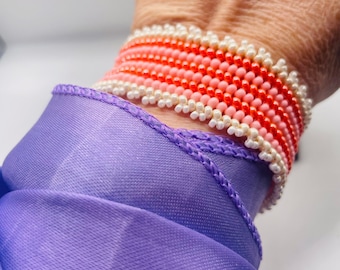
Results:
194 49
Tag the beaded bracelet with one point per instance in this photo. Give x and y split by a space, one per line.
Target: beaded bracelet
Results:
234 88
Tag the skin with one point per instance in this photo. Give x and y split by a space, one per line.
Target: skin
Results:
306 33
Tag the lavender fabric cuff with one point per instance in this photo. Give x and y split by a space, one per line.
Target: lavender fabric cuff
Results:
73 231
101 146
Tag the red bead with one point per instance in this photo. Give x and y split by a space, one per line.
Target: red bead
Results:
210 91
227 99
173 44
229 58
203 51
284 90
139 72
247 64
151 57
253 89
168 79
285 117
133 70
157 59
160 41
194 48
193 67
160 77
238 60
185 65
178 64
171 62
256 68
253 112
153 75
164 60
202 88
289 96
210 53
271 78
237 103
220 55
275 105
228 78
278 83
180 45
263 73
269 100
187 47
185 83
167 42
177 81
294 100
219 74
245 108
201 69
219 94
146 73
266 123
237 81
280 111
245 85
261 94
211 71
260 116
193 86
273 130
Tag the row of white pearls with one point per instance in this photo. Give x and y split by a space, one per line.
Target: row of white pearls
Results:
198 111
209 39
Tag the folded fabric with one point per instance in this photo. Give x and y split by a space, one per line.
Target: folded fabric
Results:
98 183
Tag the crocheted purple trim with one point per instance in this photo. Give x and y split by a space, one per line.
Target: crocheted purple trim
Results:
212 143
176 138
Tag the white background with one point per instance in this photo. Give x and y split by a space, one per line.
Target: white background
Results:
72 41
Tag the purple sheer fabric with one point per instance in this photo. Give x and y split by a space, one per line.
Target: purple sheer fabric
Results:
98 183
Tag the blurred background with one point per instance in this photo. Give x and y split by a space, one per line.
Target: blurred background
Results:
51 42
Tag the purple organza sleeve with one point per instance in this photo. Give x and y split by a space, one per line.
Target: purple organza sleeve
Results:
98 183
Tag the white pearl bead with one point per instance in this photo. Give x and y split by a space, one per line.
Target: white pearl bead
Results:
220 125
174 98
192 104
202 117
239 132
253 133
178 108
200 107
212 123
208 112
217 114
168 103
145 100
182 99
161 103
130 95
186 109
231 130
194 115
226 120
152 100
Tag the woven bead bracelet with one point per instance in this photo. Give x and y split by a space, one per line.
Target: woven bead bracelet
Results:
234 88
